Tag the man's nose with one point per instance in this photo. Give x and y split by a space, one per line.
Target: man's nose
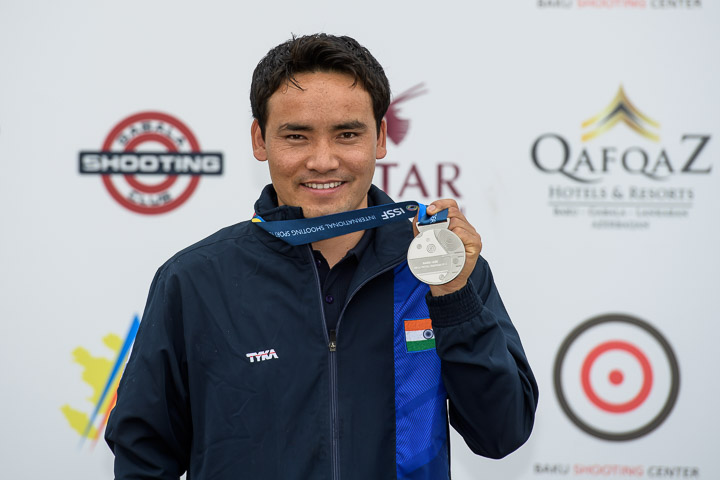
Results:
323 157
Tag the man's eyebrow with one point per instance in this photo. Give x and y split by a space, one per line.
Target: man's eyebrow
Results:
351 125
301 127
295 127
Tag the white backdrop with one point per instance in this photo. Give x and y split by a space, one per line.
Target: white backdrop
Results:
640 239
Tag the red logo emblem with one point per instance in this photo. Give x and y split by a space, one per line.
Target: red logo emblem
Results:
616 377
398 127
151 163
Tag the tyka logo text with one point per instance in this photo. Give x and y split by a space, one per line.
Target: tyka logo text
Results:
262 355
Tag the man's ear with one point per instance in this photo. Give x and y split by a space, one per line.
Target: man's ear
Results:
381 148
258 142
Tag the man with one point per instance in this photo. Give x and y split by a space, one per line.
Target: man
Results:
257 358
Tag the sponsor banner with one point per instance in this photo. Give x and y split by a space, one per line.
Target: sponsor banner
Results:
146 181
616 377
423 181
578 135
622 180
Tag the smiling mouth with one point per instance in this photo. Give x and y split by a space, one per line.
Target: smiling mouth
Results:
322 186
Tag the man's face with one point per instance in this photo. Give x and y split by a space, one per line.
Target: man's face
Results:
321 144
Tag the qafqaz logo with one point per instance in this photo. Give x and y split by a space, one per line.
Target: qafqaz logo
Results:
655 174
425 181
616 377
552 153
151 163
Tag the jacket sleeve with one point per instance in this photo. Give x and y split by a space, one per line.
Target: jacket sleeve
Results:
149 430
492 391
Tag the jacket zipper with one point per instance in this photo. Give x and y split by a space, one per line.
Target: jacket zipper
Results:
331 342
334 407
331 339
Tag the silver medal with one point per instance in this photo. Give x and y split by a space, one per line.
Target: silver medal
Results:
436 255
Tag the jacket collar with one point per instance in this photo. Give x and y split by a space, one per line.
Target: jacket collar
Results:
267 207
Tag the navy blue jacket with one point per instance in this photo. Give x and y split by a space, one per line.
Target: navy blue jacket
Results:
234 374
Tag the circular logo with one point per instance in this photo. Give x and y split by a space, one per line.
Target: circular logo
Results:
150 163
616 377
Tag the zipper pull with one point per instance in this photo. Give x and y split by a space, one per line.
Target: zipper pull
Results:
333 341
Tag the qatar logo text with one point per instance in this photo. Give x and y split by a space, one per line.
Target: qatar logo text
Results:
150 163
399 180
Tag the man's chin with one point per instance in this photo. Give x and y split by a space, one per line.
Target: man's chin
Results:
310 212
323 210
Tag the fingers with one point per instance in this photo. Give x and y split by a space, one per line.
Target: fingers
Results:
460 226
452 208
470 238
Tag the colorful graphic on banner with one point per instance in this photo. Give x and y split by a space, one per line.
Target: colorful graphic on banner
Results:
651 179
620 110
103 375
616 377
179 168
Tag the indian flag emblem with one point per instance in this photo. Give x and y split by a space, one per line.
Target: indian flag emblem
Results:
419 335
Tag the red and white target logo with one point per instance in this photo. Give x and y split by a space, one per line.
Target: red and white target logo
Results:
616 377
151 163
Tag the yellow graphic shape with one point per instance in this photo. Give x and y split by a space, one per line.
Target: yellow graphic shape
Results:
619 110
96 371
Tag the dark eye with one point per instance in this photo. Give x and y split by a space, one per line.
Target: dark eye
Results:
294 136
348 135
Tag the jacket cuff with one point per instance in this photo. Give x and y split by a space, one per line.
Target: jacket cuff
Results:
454 308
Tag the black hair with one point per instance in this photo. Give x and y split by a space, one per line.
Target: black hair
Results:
319 52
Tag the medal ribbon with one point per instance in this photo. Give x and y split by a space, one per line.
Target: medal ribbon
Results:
302 231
